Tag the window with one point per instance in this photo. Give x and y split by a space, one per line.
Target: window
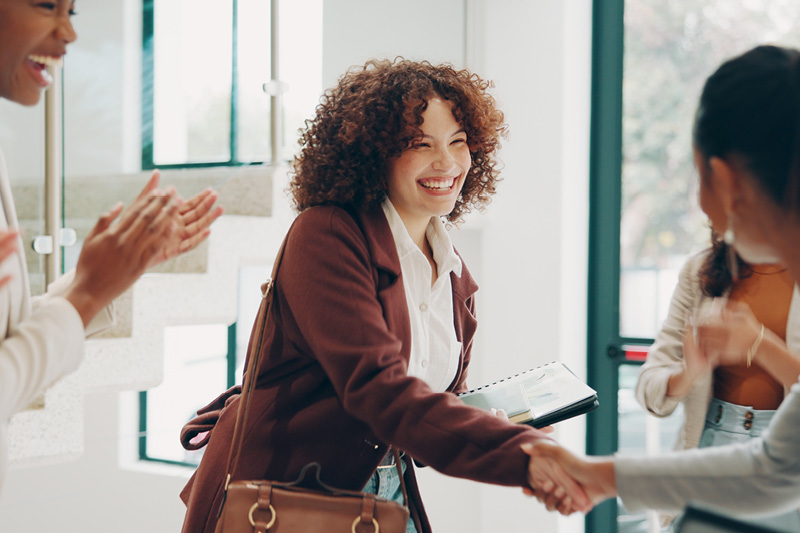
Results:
207 67
670 50
200 362
209 71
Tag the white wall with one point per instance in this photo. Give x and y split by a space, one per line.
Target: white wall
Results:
357 30
533 238
528 251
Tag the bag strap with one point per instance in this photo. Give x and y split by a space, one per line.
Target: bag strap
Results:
400 473
252 366
251 373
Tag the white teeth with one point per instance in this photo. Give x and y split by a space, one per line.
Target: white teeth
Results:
49 61
439 185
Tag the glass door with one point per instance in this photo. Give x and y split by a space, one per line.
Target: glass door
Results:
22 143
651 58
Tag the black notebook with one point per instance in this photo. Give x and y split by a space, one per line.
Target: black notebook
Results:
538 397
701 519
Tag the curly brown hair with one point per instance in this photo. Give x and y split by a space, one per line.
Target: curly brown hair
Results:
373 114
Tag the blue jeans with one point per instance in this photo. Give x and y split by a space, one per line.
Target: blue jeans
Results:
728 423
385 483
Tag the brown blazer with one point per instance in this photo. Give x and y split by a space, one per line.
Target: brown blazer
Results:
333 385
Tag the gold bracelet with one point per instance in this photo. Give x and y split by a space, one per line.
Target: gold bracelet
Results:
754 348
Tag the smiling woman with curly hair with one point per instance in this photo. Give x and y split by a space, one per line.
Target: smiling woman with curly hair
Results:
373 314
373 114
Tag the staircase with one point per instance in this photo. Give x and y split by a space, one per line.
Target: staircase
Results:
200 287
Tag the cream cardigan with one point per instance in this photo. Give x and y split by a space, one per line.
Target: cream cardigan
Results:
666 356
41 339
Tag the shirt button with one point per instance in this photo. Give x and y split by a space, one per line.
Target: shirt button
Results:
423 307
424 364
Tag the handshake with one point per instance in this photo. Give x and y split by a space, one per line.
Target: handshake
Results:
566 483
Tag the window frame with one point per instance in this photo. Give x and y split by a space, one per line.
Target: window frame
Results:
231 381
606 349
148 109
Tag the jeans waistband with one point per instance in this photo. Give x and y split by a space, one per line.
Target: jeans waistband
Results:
388 459
735 418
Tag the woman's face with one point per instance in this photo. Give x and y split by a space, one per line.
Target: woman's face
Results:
33 34
426 178
730 195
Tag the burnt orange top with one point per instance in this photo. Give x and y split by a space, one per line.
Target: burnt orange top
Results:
768 292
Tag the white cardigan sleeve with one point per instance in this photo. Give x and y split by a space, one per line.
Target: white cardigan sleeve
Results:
665 356
761 476
102 321
47 344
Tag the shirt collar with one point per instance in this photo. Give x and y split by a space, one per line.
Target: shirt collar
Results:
443 252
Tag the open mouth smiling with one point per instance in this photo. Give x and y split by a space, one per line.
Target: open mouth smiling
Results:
437 184
38 64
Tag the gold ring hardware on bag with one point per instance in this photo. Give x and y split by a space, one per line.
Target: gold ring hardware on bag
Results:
358 518
274 516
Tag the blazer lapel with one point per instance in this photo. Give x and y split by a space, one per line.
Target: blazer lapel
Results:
389 282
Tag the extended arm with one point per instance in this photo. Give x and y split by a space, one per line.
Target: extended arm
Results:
332 294
761 476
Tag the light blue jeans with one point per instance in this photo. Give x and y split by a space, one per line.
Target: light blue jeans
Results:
728 423
385 483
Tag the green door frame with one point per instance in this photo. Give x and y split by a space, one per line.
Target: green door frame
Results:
605 193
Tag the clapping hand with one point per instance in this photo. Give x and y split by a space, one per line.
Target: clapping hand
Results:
725 336
191 221
157 226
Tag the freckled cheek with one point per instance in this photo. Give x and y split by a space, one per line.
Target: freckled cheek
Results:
466 162
404 173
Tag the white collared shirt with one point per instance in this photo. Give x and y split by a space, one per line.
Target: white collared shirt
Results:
435 350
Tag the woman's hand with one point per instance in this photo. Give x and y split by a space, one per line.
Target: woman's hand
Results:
565 482
191 221
114 255
501 413
157 226
725 337
695 363
8 247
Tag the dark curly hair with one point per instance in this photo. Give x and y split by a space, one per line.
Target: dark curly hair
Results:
373 114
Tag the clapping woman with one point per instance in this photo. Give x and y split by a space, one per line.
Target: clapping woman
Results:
42 340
